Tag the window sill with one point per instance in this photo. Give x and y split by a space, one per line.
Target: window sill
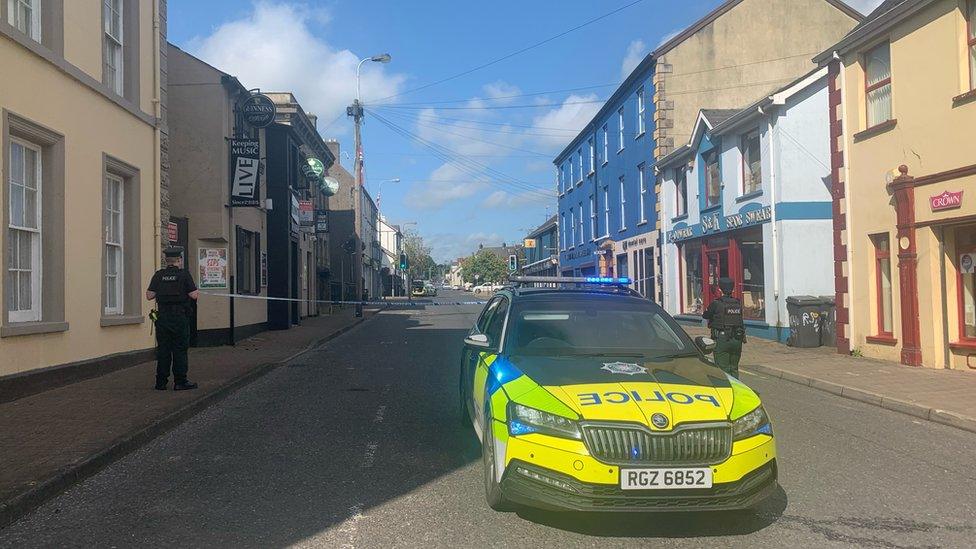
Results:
875 130
963 345
749 196
580 182
642 223
681 217
620 150
590 174
638 136
32 328
605 162
964 98
122 320
882 340
710 209
622 230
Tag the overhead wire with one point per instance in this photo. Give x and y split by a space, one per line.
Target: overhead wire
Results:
476 169
514 53
512 129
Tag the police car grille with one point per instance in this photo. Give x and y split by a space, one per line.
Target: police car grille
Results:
635 446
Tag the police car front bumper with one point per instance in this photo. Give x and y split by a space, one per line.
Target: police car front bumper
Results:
536 486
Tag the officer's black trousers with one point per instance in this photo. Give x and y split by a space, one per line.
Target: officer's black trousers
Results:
172 341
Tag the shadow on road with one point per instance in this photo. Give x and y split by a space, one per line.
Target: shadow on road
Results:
664 525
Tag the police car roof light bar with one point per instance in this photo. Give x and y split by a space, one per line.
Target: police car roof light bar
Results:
601 280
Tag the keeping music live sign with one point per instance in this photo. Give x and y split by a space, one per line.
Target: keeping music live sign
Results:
245 160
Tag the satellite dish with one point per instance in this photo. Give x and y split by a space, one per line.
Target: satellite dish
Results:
330 186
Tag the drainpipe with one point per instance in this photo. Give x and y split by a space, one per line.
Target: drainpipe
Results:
773 172
157 141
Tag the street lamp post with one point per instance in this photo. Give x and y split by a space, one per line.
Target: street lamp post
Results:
356 112
379 190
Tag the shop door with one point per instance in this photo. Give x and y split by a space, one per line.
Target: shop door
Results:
716 267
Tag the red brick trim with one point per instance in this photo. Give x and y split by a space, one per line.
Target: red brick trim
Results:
839 220
947 175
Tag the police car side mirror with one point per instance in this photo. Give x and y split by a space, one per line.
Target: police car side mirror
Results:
706 344
477 340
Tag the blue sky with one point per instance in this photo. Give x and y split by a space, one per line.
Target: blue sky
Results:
492 192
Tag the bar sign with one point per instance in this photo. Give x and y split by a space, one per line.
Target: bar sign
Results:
245 160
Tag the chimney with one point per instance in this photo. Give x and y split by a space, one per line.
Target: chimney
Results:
314 118
333 145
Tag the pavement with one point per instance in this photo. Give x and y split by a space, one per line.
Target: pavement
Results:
53 439
942 396
356 444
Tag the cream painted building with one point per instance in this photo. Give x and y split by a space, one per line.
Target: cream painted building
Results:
740 51
79 103
904 173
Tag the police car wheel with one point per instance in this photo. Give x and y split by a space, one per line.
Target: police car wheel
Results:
493 491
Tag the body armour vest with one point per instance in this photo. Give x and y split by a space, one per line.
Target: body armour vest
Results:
171 287
728 313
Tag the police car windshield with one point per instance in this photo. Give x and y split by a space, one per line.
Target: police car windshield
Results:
602 327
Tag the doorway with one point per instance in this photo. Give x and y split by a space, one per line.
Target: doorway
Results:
293 283
716 267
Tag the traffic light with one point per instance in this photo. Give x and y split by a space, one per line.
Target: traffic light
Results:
404 264
512 263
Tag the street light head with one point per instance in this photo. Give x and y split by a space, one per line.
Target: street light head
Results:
381 58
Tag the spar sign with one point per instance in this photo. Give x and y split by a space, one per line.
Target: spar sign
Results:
945 201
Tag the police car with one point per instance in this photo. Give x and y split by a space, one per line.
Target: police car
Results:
588 397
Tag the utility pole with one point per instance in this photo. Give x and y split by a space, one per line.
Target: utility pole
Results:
356 112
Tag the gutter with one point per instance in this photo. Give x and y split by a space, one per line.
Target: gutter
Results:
157 143
869 29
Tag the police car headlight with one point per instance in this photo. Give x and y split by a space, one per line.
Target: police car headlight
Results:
523 420
754 423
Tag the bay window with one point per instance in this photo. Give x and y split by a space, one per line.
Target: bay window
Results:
713 179
681 191
971 41
113 222
24 232
882 284
751 163
113 66
25 16
878 84
643 193
623 205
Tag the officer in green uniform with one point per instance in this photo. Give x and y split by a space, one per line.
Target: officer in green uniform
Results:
172 287
724 317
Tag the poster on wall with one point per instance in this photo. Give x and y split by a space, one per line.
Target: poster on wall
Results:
213 267
245 161
306 212
967 263
264 269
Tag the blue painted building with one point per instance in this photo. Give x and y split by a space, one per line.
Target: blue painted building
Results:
749 198
541 258
605 181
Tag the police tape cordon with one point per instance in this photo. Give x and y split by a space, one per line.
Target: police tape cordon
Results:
343 302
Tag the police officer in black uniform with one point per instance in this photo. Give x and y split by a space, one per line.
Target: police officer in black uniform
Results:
724 317
172 287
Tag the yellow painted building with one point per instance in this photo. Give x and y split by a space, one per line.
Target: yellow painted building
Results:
903 107
79 104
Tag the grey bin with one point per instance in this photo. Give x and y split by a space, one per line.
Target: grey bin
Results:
828 321
804 312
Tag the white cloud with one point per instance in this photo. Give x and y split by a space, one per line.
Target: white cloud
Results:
273 48
446 247
447 183
501 92
635 54
506 199
864 6
574 112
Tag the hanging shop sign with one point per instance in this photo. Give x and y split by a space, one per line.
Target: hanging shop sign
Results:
294 210
321 221
715 223
172 232
316 165
258 110
528 243
329 186
213 267
306 212
946 201
245 164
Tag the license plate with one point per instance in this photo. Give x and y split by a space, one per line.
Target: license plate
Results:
665 479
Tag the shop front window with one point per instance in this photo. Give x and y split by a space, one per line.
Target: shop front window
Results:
692 279
753 278
967 284
882 262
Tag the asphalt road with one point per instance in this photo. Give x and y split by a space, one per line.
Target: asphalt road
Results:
356 444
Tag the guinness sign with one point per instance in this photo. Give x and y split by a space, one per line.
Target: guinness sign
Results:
258 110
